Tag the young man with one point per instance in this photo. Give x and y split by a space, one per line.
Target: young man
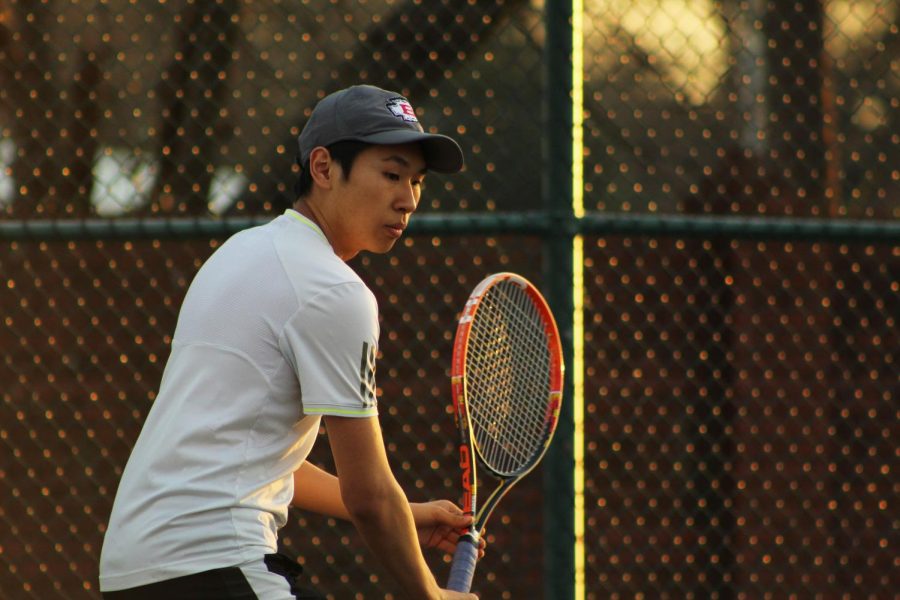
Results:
276 334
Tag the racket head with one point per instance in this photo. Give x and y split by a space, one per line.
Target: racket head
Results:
507 374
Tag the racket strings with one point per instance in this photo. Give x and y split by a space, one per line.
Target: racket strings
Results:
508 378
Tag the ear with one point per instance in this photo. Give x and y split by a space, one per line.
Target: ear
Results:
322 167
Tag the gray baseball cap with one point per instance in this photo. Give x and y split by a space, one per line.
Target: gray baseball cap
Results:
365 113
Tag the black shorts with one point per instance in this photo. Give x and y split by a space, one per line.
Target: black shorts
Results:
273 578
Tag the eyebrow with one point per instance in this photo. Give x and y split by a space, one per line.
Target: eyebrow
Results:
403 162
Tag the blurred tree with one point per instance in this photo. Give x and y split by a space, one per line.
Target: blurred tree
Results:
864 87
30 103
192 90
794 53
411 50
53 107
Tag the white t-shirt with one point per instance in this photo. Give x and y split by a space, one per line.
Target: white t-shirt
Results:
274 332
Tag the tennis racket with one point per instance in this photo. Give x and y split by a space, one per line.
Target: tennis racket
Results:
507 390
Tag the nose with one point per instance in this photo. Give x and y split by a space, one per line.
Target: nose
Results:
408 199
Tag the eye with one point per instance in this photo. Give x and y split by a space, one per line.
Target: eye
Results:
392 176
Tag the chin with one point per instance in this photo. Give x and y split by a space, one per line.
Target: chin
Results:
383 248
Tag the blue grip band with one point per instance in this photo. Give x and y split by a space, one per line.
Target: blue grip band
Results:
463 568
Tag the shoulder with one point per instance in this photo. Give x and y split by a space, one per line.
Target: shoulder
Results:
346 304
307 258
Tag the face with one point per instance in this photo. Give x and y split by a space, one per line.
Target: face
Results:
370 209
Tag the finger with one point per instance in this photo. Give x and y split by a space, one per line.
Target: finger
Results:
445 506
457 520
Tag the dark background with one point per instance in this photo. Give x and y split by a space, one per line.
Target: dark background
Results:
740 395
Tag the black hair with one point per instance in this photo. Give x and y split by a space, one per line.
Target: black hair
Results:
344 153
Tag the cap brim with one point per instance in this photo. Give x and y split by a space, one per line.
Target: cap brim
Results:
442 154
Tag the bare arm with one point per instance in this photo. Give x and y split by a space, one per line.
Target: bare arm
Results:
377 505
318 491
438 522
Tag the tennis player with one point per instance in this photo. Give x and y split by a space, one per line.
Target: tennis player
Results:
277 334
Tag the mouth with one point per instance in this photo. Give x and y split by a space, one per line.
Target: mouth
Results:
395 230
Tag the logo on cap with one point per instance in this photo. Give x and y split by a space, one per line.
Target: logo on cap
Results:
400 107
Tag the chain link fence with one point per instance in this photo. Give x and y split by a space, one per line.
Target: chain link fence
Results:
741 388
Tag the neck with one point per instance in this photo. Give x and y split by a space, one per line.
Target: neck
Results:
302 207
314 214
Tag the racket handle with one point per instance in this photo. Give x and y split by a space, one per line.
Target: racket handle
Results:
462 570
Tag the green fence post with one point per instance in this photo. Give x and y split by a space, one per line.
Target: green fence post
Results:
558 467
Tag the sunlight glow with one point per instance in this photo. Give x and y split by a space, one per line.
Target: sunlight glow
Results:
683 40
578 291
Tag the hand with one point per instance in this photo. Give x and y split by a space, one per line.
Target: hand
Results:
438 525
448 595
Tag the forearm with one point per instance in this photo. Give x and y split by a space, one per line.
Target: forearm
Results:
387 526
376 503
318 491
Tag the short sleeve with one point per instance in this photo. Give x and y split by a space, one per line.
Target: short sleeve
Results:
332 341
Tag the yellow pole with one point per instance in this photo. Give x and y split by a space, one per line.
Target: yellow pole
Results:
578 290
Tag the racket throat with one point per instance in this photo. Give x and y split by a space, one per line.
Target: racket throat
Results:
467 465
472 536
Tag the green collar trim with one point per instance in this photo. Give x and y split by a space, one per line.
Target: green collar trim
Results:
290 212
